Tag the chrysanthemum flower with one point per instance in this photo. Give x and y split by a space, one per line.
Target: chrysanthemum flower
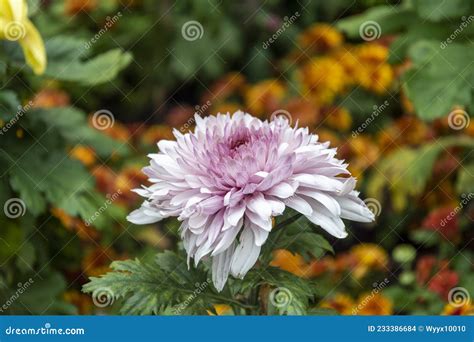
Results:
227 179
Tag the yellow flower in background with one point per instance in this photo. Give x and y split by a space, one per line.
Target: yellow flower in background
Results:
320 37
374 54
221 310
374 74
293 263
265 96
322 79
464 309
368 256
84 154
339 119
15 26
342 303
374 304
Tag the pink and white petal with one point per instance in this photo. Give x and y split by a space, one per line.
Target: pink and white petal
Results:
323 198
281 190
245 255
264 223
299 204
259 205
232 215
278 207
355 209
142 216
221 267
319 182
226 238
330 223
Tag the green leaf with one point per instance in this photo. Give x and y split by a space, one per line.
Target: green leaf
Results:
43 296
299 238
417 32
100 69
322 312
62 48
440 78
38 175
406 171
389 19
290 294
11 238
425 237
26 257
9 105
72 125
154 286
465 181
439 10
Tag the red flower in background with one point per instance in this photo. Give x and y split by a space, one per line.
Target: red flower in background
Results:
443 282
424 268
445 221
436 275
